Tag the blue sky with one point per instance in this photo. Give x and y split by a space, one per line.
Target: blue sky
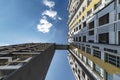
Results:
24 21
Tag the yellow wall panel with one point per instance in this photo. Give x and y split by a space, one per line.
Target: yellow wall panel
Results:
85 12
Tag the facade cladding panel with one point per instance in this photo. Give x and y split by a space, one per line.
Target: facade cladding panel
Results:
28 61
98 49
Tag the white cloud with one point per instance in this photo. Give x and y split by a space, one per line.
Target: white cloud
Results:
50 13
49 3
44 26
59 18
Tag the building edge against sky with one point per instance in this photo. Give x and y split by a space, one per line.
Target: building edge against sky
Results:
94 39
28 61
17 62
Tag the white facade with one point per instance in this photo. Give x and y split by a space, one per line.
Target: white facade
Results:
96 31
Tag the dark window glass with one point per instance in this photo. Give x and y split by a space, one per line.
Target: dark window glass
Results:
88 50
76 28
91 41
91 32
97 53
83 48
83 18
88 2
119 16
79 76
89 12
97 5
83 9
112 59
96 47
79 39
83 74
76 39
78 71
91 25
84 24
110 50
79 27
84 38
104 38
119 37
104 19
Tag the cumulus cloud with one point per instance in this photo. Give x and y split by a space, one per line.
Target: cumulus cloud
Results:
50 13
48 3
44 26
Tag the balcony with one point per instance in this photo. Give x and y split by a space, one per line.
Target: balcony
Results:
104 65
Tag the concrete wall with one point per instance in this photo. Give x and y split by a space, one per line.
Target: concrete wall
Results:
36 68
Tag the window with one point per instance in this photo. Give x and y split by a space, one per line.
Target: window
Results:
110 50
91 41
119 1
119 37
79 20
104 38
76 28
89 62
83 18
104 19
83 74
76 39
88 2
88 50
89 12
84 24
112 59
78 71
83 48
78 76
84 38
91 32
97 5
79 27
97 53
95 47
98 70
91 25
73 69
79 39
79 46
118 16
75 65
83 9
79 13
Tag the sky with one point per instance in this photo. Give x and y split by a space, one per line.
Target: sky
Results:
26 21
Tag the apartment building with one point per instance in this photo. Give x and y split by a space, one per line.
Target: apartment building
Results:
17 62
28 61
94 39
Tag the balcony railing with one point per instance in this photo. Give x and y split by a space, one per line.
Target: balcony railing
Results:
104 65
